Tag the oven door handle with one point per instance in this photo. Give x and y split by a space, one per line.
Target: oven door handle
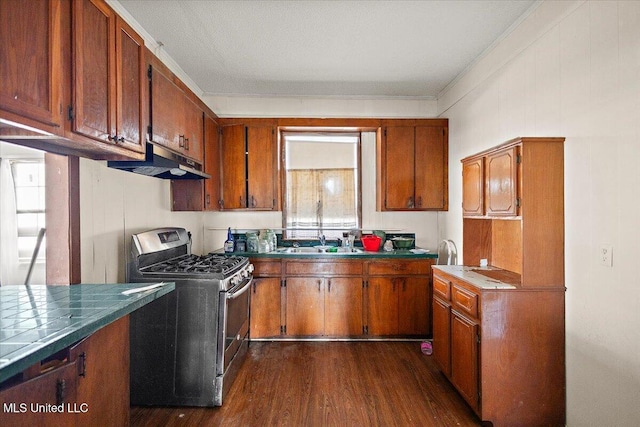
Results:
242 290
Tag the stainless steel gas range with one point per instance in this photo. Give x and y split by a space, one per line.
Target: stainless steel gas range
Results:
187 346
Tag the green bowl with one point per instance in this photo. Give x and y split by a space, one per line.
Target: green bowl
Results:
403 242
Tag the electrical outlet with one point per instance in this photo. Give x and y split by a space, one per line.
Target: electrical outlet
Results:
606 255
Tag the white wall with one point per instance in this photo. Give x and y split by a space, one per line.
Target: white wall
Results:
572 69
114 205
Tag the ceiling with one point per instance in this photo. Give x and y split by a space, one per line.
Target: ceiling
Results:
371 49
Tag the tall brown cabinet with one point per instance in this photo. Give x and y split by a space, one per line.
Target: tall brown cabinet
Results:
498 331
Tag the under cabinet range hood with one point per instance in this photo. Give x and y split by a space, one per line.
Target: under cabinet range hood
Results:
162 163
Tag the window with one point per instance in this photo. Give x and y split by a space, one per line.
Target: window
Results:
29 183
322 184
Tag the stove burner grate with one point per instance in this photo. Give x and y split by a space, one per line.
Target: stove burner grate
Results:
196 264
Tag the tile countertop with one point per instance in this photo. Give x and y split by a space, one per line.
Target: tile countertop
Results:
278 254
475 276
36 321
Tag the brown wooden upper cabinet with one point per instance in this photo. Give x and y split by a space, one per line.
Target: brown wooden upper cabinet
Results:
177 122
412 168
211 164
491 184
31 34
201 194
502 196
473 187
249 167
109 78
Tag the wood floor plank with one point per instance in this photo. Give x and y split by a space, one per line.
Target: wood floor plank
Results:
328 384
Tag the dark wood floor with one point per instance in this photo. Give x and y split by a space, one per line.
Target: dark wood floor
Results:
328 384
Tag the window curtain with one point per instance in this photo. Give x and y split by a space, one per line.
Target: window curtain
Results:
9 274
321 199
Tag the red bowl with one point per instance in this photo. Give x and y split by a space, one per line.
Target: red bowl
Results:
371 243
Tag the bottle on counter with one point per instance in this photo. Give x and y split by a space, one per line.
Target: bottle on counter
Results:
252 241
229 243
273 240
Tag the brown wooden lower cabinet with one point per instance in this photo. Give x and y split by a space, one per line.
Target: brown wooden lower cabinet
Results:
442 333
27 403
503 350
343 307
399 297
89 385
305 306
265 307
464 358
338 298
104 387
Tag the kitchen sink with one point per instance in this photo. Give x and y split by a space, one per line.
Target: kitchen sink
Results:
319 250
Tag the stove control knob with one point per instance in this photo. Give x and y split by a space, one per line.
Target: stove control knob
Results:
250 268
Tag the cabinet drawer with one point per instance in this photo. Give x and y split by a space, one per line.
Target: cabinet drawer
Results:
266 268
465 300
397 267
442 288
323 268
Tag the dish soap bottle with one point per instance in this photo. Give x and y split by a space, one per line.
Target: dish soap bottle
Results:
228 244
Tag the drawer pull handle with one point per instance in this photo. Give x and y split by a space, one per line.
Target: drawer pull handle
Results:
60 391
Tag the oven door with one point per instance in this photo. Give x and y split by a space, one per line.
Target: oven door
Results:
234 323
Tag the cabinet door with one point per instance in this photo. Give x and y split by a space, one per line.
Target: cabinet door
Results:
211 165
305 306
502 183
30 60
464 358
441 335
167 110
130 78
57 387
265 308
430 168
104 383
343 306
382 306
262 167
399 168
234 171
473 187
94 70
193 126
413 306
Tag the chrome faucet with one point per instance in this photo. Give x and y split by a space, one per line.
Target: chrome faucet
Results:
323 240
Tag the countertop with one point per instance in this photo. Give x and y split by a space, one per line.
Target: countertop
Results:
36 321
480 277
418 254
